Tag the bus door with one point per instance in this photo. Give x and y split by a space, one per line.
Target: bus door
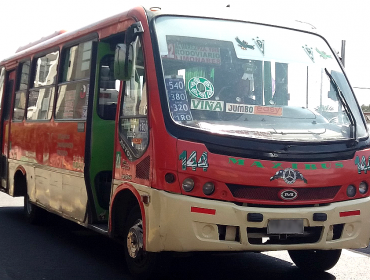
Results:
4 128
102 132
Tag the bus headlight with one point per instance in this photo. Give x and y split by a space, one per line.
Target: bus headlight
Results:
351 191
188 185
363 187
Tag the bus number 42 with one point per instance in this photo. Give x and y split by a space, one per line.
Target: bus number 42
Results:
192 161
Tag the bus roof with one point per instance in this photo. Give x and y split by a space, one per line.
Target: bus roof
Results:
58 39
56 33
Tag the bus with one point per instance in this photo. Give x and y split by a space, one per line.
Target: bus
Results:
173 132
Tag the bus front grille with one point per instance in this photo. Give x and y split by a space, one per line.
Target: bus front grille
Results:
304 194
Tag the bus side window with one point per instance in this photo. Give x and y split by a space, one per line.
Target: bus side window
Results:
6 103
73 88
6 106
134 108
109 87
41 95
21 93
2 80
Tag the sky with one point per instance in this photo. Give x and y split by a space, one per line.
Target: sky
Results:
25 21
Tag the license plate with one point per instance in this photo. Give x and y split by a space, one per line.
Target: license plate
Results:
285 227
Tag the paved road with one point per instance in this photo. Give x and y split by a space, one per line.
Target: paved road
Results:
64 250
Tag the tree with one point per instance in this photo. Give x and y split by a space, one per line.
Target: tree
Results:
365 108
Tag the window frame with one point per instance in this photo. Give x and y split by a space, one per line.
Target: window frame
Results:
93 38
2 84
99 86
18 90
31 84
131 152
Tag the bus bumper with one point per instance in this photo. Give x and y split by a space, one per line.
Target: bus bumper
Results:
181 223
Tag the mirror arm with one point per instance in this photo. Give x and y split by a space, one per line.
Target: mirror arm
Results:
122 66
131 33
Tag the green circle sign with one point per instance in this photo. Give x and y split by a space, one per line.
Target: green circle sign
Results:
201 88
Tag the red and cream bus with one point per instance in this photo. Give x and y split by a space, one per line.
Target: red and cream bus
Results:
185 133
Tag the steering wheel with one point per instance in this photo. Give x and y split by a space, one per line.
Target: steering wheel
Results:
227 96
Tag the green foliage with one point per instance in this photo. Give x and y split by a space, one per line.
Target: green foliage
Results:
365 108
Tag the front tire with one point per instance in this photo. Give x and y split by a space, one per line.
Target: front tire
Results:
141 264
315 260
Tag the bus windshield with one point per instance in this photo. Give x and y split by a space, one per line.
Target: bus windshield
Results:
256 81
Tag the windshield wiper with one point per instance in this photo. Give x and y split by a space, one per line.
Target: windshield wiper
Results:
287 132
343 101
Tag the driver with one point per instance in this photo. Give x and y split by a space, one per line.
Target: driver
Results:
246 84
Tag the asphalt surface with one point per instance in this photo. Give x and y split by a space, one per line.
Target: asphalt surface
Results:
65 250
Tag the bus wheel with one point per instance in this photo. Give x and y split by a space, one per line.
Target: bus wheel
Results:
141 264
315 260
32 212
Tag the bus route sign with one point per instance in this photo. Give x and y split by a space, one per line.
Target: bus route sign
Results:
178 99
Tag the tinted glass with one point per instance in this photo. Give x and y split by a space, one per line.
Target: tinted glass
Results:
109 88
72 101
19 105
133 118
76 64
2 80
40 104
7 99
46 70
25 71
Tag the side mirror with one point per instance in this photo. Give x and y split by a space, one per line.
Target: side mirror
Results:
125 54
123 62
332 94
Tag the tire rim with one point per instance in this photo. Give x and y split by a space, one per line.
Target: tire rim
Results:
135 240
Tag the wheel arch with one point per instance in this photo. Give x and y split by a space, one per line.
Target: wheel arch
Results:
20 182
125 198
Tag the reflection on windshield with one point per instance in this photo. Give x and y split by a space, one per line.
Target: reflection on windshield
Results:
264 83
